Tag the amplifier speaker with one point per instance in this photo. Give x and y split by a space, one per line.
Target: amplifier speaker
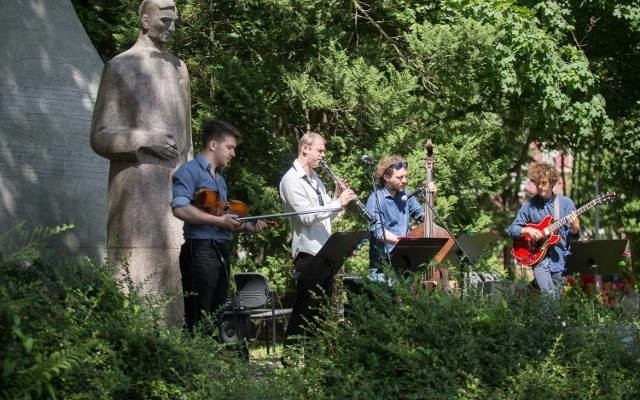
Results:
235 325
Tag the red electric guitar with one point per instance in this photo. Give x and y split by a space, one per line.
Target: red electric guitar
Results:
529 252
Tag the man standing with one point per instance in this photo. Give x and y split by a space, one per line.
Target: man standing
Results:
302 190
548 272
204 256
142 124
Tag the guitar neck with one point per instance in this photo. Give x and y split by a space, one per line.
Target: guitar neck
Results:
562 221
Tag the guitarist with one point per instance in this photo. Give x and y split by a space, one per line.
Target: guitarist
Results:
548 272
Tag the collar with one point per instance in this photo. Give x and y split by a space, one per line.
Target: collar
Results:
204 164
386 192
301 172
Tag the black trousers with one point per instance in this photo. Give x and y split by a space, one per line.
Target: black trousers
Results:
309 293
205 269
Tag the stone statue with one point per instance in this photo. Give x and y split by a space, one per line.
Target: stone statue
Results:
142 124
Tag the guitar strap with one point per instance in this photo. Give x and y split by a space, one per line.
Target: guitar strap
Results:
556 215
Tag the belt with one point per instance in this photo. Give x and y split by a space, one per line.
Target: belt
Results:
213 242
302 255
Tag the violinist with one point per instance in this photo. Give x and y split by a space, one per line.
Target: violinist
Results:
394 209
204 256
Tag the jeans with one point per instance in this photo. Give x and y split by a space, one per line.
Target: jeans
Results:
377 275
204 266
550 283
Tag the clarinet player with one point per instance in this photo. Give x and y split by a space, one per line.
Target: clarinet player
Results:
302 189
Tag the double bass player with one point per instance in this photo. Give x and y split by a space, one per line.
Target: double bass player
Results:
394 209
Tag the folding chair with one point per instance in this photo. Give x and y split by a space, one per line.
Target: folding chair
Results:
250 302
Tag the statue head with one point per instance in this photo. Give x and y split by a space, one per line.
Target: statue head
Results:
157 20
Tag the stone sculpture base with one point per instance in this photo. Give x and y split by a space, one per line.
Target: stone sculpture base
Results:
162 288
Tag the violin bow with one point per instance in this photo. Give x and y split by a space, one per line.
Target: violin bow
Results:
288 214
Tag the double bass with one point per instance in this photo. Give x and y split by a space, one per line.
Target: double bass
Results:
428 228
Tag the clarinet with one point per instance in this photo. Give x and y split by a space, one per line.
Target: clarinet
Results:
340 183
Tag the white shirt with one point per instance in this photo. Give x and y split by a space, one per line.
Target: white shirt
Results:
300 193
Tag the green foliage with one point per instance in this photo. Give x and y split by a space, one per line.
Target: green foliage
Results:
72 333
111 25
423 346
482 79
21 244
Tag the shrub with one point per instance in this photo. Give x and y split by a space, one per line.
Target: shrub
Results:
70 332
408 345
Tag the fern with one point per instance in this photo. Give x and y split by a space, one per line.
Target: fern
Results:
21 244
30 370
36 379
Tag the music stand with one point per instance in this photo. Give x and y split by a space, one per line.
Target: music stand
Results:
409 253
473 245
595 257
329 259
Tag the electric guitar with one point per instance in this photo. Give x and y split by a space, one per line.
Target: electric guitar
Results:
528 252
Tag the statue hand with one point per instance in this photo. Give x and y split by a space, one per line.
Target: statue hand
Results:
165 147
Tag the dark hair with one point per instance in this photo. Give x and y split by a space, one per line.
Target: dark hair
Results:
218 130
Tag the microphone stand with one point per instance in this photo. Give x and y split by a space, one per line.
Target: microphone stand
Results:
464 258
380 217
416 192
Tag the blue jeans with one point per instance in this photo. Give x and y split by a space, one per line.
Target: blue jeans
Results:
377 275
550 283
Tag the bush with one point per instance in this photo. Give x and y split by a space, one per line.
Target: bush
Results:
70 332
408 345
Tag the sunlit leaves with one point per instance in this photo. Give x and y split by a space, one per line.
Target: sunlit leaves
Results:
482 79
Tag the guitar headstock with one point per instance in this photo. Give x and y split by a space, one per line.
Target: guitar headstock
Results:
605 198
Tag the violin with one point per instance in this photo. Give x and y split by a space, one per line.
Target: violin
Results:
210 201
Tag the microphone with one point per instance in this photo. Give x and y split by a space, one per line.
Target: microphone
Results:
367 160
406 197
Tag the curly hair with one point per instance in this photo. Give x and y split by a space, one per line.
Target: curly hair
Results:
385 167
540 171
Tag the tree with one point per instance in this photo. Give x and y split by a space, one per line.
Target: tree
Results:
482 79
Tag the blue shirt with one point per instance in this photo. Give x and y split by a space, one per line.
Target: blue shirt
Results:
533 211
395 213
191 176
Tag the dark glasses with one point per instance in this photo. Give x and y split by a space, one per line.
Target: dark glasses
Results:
400 165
